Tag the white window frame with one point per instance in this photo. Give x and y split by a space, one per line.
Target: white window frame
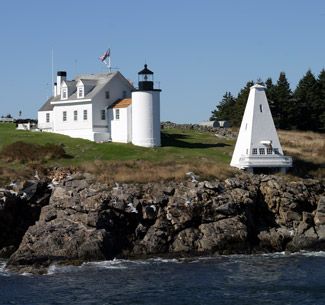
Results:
64 95
261 151
81 92
117 114
64 116
75 115
103 114
85 115
254 151
269 151
47 117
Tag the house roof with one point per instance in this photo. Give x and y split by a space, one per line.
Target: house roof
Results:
88 82
94 83
122 103
47 105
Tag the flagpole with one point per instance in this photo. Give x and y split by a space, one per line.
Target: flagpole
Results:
52 67
109 61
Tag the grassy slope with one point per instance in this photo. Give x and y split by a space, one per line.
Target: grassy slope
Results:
181 151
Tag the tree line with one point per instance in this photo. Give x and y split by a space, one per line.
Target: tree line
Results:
303 108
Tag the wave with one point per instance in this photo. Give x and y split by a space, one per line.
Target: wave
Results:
3 271
120 264
313 253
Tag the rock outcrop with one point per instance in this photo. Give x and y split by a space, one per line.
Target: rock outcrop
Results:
85 220
20 207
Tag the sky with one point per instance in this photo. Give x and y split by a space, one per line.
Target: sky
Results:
198 49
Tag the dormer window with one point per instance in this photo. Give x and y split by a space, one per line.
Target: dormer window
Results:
80 92
64 94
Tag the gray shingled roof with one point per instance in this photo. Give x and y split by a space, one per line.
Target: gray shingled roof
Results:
96 82
47 105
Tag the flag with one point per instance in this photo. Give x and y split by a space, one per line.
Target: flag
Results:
105 55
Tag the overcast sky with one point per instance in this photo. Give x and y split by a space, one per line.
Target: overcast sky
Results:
198 50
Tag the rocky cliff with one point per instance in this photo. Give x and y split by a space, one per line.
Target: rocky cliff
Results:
84 220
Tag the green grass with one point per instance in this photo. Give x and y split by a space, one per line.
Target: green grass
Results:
178 147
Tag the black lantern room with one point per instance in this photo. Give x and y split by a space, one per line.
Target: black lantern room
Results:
145 79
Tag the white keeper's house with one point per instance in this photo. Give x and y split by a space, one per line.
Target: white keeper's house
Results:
104 107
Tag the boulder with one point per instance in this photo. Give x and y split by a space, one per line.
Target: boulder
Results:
224 236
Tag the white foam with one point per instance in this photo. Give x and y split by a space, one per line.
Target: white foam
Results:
313 253
112 264
3 271
164 260
54 269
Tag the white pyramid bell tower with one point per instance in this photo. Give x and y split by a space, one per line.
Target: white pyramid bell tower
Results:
258 145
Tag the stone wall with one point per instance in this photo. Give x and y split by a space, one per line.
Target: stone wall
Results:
219 132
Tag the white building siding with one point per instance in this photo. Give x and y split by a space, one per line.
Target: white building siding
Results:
76 128
115 87
42 121
146 118
121 127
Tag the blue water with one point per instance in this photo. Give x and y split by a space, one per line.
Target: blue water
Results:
259 279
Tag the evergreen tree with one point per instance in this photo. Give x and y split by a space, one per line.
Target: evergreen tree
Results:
283 104
240 105
270 93
307 101
224 109
321 110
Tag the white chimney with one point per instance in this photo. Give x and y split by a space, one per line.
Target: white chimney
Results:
55 89
61 76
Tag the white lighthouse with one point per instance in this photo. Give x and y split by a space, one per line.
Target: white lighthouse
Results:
146 111
258 145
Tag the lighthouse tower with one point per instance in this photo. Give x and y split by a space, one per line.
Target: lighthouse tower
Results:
258 145
146 111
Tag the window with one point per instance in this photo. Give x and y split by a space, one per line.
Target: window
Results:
124 94
64 116
276 151
246 151
64 94
261 108
47 118
269 151
85 115
246 126
254 151
117 114
103 114
262 151
75 115
107 94
80 92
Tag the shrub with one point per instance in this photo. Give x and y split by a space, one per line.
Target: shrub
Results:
25 152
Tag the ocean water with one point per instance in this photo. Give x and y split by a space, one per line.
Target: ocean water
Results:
239 279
